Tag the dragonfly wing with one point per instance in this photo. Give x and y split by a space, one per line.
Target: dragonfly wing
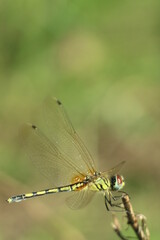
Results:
48 158
114 170
58 128
79 199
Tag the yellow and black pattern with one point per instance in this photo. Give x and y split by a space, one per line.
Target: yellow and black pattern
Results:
73 187
100 184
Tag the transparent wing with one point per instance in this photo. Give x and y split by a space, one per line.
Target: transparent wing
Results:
58 128
57 150
79 199
48 159
114 170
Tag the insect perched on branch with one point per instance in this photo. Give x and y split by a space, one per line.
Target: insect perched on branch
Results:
61 156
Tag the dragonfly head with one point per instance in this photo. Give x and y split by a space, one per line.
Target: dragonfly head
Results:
117 182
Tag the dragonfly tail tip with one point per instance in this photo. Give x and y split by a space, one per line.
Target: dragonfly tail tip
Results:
9 200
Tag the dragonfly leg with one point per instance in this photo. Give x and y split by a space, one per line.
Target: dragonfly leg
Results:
106 202
109 198
123 193
115 198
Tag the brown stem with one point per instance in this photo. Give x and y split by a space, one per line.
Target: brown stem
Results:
132 219
116 227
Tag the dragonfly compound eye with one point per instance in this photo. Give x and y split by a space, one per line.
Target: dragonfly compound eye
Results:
113 181
117 182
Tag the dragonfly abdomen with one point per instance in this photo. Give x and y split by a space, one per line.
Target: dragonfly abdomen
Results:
68 188
25 196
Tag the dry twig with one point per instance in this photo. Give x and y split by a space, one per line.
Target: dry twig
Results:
117 228
137 222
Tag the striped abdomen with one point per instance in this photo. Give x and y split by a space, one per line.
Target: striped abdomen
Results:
73 187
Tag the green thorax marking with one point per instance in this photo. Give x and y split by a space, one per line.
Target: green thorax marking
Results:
100 184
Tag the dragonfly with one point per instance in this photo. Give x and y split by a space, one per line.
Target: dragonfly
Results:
59 153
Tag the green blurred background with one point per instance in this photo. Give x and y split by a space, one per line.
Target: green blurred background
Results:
101 59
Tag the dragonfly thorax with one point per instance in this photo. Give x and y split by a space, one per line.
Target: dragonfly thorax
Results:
100 184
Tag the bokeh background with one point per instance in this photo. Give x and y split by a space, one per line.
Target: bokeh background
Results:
101 59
